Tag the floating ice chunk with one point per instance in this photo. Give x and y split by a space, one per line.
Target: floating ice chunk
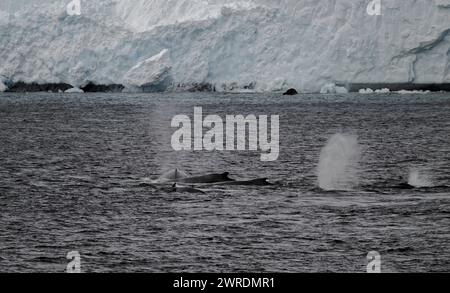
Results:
405 92
383 91
366 91
332 88
371 91
74 90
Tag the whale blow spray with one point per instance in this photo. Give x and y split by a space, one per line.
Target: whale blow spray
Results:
338 166
418 179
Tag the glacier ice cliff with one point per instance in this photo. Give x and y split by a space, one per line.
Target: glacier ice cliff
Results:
2 87
260 45
152 74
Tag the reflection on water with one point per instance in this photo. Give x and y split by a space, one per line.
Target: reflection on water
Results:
72 168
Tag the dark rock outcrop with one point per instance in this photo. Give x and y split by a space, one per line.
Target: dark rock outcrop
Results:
22 87
290 92
102 88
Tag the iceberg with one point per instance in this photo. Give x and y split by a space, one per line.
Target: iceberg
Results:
383 91
366 91
255 45
371 91
332 88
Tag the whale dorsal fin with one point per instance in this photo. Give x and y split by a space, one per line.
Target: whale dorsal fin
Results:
226 176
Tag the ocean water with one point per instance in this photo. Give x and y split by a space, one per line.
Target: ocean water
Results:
72 168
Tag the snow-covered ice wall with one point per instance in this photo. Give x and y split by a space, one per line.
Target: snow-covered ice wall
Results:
260 44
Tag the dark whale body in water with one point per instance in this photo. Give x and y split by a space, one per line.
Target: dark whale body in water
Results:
209 178
405 186
182 177
223 179
255 182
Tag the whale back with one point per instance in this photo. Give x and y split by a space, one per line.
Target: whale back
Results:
254 182
210 178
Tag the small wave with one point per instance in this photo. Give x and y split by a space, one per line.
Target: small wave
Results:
47 259
400 249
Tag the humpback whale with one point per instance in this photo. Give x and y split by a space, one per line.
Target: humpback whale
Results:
177 176
182 177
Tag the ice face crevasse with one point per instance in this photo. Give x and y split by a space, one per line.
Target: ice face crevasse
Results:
260 44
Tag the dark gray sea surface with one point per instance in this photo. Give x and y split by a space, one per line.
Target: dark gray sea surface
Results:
72 168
